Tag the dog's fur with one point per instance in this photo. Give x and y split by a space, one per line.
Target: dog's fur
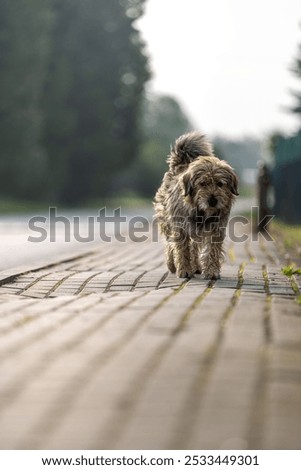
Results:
193 205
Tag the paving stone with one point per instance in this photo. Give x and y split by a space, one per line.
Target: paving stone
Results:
109 350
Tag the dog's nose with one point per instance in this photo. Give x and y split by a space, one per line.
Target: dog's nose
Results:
212 201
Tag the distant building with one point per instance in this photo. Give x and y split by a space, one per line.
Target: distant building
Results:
249 176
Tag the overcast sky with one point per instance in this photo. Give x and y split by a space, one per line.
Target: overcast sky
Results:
227 61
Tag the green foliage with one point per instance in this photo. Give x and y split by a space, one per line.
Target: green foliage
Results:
290 270
288 235
24 44
244 153
92 96
273 142
75 123
21 206
71 84
296 69
162 121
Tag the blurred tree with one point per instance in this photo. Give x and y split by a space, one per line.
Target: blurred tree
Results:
162 121
24 45
296 69
273 141
241 154
93 95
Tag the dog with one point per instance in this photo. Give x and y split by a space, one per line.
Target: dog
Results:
192 207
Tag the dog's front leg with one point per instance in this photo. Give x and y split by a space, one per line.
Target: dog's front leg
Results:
195 257
213 256
182 256
170 258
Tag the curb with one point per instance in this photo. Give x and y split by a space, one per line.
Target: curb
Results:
9 275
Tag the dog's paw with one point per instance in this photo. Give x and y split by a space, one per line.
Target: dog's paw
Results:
171 267
184 274
198 271
212 276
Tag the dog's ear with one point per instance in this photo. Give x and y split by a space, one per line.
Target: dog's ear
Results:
188 188
231 178
234 184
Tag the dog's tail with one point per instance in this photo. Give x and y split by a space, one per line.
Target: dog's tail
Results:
187 148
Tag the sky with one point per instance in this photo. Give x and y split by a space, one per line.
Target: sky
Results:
226 61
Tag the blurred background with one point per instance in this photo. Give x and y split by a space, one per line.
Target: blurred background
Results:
93 92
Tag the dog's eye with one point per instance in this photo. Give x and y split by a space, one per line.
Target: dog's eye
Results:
220 184
203 183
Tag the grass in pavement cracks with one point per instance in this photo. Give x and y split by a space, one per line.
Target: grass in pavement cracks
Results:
290 271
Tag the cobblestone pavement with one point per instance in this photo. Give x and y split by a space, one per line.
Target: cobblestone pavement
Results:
109 351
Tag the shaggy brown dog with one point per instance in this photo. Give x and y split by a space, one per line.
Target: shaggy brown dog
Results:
193 205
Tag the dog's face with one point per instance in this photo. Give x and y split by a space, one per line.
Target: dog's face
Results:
210 185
